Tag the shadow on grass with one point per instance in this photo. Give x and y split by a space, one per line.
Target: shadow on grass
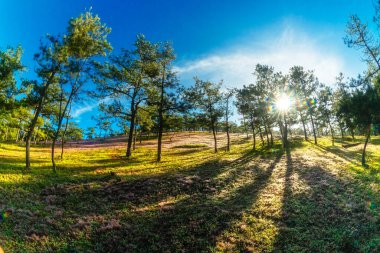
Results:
169 212
350 156
187 212
191 224
327 215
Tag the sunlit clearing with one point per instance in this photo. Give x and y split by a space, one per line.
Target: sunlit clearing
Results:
283 103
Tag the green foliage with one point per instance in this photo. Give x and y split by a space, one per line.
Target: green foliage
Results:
207 97
87 36
10 63
74 132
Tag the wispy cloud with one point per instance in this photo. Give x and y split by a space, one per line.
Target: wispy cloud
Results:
86 107
281 49
83 109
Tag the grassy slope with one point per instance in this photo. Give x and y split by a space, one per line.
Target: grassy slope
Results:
311 199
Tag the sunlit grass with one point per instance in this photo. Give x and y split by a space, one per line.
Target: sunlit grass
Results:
229 201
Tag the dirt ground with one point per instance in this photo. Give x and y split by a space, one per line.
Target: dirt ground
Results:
170 140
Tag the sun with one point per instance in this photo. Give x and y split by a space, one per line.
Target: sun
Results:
283 103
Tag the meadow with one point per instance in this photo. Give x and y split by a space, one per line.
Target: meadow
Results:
308 198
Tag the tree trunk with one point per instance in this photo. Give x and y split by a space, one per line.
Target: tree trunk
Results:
56 134
254 136
314 133
131 130
63 139
134 138
352 134
227 127
34 120
160 119
55 137
281 128
64 133
304 127
17 135
29 135
245 127
285 132
214 134
341 131
228 138
261 137
271 135
332 134
365 144
266 133
52 155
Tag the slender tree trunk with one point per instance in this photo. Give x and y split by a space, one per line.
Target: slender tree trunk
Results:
55 137
285 131
341 131
352 134
131 128
64 133
29 136
52 155
34 120
304 127
58 130
261 137
17 135
245 126
214 134
227 127
332 134
134 138
160 119
266 133
314 133
228 138
365 144
271 135
253 135
63 138
281 128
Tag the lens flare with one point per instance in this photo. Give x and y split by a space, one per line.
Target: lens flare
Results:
283 103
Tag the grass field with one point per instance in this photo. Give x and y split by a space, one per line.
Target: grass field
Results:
311 198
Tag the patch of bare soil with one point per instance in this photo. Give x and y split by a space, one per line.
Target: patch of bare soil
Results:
170 140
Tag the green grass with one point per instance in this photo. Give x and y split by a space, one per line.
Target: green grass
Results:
313 198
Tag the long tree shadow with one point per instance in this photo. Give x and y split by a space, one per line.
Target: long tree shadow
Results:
349 156
164 213
324 213
191 224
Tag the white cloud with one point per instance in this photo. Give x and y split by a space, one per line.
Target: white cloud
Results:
282 50
87 107
83 109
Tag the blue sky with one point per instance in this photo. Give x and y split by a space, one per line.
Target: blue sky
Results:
213 39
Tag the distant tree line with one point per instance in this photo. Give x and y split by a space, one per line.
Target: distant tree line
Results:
141 94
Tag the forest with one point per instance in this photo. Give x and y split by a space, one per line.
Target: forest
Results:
285 163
